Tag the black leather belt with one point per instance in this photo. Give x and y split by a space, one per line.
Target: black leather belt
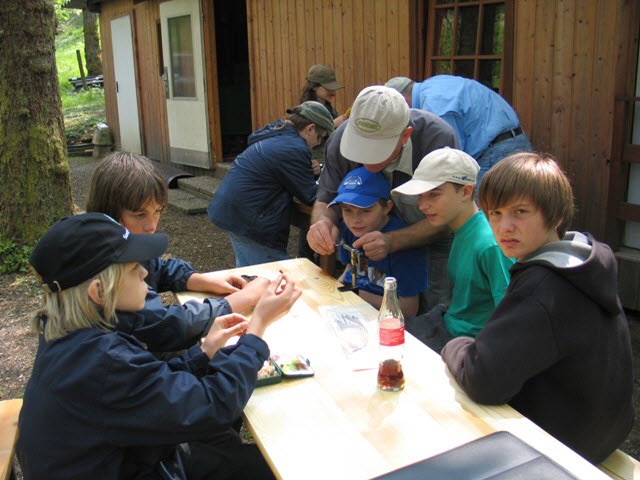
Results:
506 135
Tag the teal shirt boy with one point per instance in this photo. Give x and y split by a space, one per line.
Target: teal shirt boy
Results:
479 273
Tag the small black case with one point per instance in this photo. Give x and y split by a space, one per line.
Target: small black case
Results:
498 456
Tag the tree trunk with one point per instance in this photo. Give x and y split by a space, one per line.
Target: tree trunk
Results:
92 52
34 173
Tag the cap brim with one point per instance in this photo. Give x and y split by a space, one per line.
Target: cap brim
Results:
355 199
144 246
367 151
332 85
415 187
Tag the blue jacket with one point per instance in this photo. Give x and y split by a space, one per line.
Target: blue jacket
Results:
254 198
476 113
173 328
99 406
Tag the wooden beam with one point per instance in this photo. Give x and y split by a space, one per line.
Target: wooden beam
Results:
629 211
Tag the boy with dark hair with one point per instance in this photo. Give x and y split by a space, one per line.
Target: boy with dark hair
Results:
127 187
557 347
98 404
365 201
443 184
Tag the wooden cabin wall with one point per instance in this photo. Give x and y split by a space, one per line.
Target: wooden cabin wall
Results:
572 57
151 100
365 41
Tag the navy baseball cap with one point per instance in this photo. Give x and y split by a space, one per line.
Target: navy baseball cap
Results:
362 188
78 247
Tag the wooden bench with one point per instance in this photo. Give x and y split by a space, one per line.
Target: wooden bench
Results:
9 411
621 466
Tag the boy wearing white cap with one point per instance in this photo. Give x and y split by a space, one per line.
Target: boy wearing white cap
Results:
365 201
443 185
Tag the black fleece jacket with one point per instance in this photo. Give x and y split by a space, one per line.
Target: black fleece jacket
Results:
557 348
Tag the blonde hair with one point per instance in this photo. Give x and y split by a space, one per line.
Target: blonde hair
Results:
72 309
535 176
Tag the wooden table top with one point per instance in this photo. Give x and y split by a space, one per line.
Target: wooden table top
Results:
9 411
338 424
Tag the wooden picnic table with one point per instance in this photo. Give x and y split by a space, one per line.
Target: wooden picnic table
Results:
337 424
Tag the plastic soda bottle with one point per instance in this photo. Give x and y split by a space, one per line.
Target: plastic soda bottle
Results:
391 333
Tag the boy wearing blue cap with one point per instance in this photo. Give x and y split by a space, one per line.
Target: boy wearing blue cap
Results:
365 200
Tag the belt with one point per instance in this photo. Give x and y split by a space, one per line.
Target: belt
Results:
507 135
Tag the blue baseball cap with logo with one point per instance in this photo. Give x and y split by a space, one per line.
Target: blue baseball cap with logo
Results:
362 188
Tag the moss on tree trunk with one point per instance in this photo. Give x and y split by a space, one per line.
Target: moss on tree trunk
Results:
92 53
34 173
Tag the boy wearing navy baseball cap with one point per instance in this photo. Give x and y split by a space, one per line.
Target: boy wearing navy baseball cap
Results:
365 200
98 404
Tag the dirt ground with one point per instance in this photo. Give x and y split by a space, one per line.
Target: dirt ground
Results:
193 238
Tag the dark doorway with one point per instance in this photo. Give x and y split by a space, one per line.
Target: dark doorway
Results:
232 51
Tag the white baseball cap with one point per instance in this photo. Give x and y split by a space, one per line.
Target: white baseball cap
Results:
440 166
378 117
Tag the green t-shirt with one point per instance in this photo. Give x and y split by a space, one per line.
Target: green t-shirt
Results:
479 274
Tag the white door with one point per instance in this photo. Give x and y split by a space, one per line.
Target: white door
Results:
126 96
181 28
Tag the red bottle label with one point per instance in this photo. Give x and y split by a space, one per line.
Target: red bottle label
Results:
391 337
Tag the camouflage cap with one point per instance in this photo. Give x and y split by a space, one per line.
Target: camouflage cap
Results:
318 114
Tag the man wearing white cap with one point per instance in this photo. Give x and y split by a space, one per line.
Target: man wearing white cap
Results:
487 127
443 185
384 135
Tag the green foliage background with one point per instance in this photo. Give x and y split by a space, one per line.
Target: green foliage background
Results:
81 109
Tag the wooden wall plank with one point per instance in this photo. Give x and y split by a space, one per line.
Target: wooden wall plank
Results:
380 51
348 57
211 85
593 201
278 63
254 66
562 82
394 45
582 107
524 68
359 51
296 81
338 63
543 59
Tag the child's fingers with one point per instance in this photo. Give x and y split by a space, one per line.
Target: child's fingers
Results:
275 283
237 329
227 321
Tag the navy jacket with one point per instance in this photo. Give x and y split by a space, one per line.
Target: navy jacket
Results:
254 198
99 406
173 328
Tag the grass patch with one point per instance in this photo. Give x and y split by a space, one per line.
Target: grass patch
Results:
82 109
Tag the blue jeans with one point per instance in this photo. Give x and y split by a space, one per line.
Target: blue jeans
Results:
249 252
494 153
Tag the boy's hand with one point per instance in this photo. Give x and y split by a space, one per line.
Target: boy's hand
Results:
322 236
376 245
276 300
222 329
219 283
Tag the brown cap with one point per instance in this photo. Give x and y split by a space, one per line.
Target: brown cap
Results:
325 76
